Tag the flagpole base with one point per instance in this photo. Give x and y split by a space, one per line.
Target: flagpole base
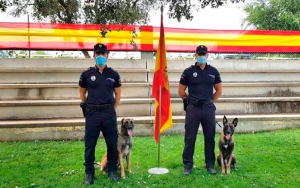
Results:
158 170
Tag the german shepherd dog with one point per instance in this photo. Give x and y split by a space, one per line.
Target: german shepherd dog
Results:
124 146
226 158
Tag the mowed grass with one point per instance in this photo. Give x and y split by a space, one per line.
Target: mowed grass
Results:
266 159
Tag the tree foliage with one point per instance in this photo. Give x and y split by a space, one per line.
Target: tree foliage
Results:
273 14
105 12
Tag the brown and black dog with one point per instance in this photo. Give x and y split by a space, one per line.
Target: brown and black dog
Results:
226 158
124 146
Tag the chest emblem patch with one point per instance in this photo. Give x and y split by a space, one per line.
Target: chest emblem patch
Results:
195 74
93 78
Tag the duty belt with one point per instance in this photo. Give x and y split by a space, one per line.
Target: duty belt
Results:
98 106
198 102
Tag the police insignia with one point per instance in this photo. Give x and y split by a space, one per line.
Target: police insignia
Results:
195 74
182 77
93 78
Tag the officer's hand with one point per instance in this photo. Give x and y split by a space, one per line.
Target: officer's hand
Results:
185 103
82 105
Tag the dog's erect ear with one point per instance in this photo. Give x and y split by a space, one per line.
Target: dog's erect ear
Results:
132 121
122 121
235 122
225 120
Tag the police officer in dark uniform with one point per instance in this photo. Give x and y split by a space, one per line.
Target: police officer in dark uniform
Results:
201 79
103 85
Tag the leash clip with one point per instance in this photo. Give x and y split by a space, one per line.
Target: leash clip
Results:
218 124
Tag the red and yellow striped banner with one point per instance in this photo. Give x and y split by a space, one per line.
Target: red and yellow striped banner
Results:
52 36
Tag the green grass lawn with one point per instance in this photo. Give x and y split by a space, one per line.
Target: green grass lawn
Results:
267 159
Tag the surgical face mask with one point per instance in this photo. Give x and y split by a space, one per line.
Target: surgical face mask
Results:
201 60
100 60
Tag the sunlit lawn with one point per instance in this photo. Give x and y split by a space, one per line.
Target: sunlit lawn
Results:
268 159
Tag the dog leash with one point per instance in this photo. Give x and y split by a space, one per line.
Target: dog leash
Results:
218 124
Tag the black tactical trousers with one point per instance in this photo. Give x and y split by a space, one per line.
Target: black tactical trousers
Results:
105 121
204 114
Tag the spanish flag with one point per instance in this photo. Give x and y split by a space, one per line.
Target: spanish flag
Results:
161 89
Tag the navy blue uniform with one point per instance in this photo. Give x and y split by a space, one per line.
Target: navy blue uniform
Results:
200 109
100 114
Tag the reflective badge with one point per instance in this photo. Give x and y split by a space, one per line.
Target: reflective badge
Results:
93 78
195 74
110 79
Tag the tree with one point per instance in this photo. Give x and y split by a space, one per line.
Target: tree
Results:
273 15
105 12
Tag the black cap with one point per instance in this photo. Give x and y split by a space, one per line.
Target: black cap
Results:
100 48
201 49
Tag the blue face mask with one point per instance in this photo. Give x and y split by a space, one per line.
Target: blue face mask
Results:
201 60
100 60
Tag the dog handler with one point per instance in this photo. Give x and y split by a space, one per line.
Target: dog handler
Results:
101 83
200 79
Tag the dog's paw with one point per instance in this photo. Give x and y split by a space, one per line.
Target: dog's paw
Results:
97 165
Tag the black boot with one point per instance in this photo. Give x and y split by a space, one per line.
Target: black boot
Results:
89 179
114 176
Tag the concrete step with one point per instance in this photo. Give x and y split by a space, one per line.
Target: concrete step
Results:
61 75
252 89
144 90
68 70
71 75
73 128
82 64
62 91
261 75
237 65
255 65
39 109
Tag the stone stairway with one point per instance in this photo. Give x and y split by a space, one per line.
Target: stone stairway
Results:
39 97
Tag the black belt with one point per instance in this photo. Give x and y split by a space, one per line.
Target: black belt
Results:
98 107
198 102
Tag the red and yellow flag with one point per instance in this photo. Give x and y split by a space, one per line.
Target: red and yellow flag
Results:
163 108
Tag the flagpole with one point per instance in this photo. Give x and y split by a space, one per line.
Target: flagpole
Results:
158 169
159 120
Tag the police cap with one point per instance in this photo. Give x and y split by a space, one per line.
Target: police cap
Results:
201 49
100 48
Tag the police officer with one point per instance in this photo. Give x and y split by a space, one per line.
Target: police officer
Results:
103 85
200 79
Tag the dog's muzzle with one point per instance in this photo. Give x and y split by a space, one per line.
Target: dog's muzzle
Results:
129 132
